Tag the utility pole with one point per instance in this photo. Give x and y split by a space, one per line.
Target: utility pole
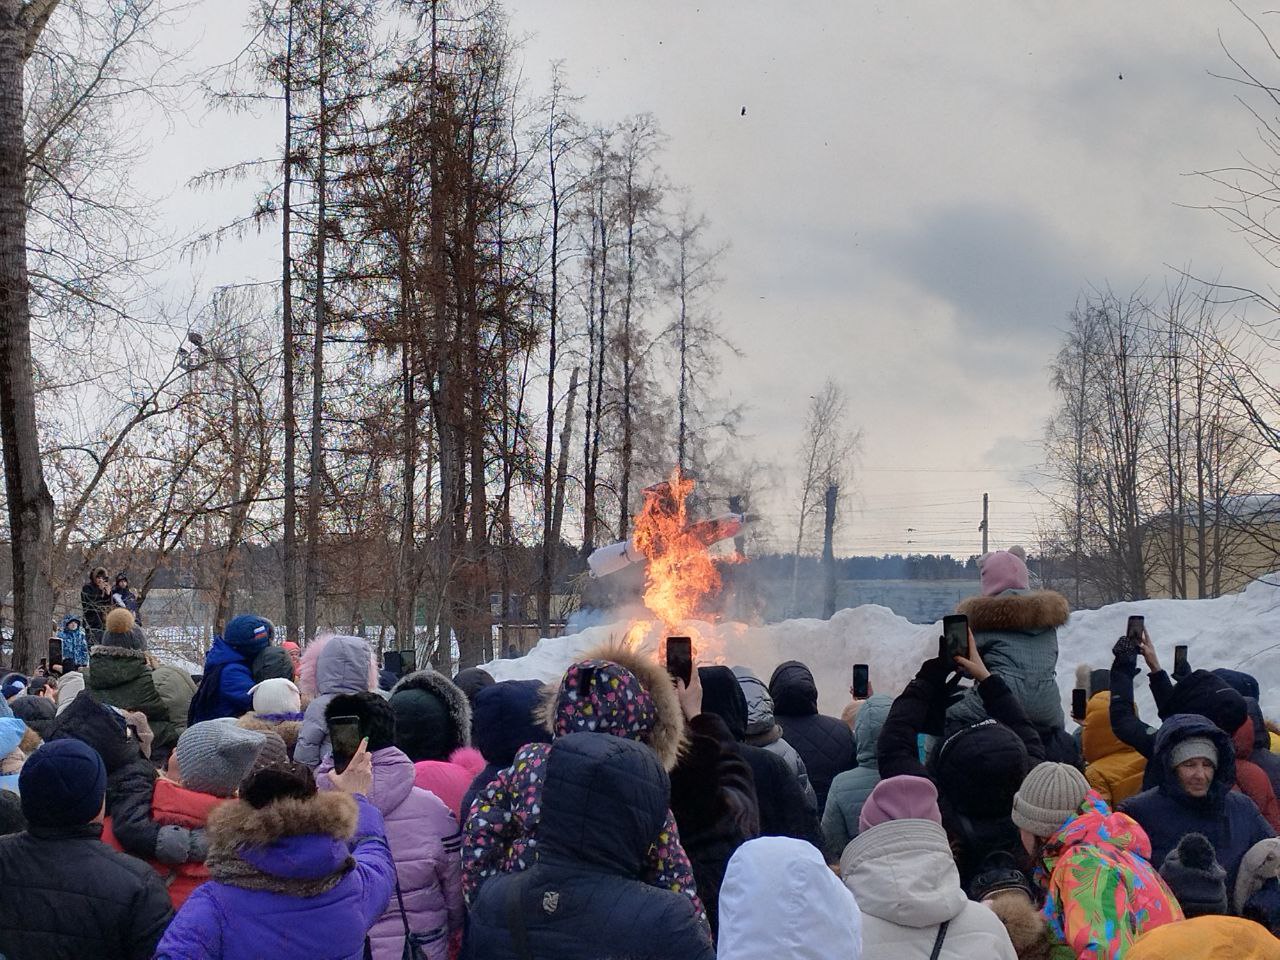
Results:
985 527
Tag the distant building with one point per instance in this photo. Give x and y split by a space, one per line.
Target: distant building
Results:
1238 536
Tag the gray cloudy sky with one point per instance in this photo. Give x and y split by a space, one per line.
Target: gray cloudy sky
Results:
916 195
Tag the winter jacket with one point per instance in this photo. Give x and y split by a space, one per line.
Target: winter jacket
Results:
12 730
172 804
176 688
284 884
64 895
1199 692
1252 779
224 687
94 603
426 846
781 900
763 732
70 686
977 771
824 743
1207 938
612 691
905 881
433 728
849 790
1112 767
1101 891
36 712
1261 754
75 647
120 677
784 812
330 665
1230 820
586 897
1017 636
502 721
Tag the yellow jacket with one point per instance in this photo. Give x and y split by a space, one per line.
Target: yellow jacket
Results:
1207 938
1112 767
1275 741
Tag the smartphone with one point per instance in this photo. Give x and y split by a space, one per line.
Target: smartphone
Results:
1134 631
861 681
1180 666
344 737
1079 704
955 637
55 651
680 658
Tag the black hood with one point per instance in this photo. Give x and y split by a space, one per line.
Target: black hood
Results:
979 769
1245 684
793 690
723 696
1261 735
505 717
100 727
604 800
1209 696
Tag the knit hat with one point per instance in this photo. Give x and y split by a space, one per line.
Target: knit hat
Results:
377 719
36 712
214 756
1194 875
120 629
472 680
1191 748
1209 696
274 752
980 768
1049 797
272 661
13 685
291 781
900 798
62 784
1003 570
11 818
276 695
248 634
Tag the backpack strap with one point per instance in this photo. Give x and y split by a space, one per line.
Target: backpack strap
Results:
937 944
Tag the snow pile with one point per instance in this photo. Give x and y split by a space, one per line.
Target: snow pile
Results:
1240 631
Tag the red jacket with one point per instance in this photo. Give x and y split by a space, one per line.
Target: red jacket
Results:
1252 780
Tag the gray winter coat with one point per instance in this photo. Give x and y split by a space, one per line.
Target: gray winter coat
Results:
763 731
849 790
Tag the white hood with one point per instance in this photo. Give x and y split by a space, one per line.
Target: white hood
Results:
779 899
902 871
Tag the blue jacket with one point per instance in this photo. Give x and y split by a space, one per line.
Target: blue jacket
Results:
12 730
231 670
603 801
1229 819
75 647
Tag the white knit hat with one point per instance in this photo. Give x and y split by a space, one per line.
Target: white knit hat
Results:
276 695
1193 747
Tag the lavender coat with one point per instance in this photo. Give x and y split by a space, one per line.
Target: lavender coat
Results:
426 845
224 922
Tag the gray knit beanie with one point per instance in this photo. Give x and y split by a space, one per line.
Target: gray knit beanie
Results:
1050 795
1191 748
214 756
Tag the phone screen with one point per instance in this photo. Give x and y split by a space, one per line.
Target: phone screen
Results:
344 737
861 681
680 658
955 637
1180 666
55 651
1135 628
1079 703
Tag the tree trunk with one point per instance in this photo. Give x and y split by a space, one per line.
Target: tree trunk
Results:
828 553
406 569
545 572
30 504
290 558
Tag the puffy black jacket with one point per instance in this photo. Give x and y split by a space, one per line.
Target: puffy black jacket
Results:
604 800
825 744
66 894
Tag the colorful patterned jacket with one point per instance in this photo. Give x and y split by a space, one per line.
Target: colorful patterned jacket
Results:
1101 892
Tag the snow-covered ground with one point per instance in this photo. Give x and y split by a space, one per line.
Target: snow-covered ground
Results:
1240 631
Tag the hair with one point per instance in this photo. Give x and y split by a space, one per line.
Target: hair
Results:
98 572
292 781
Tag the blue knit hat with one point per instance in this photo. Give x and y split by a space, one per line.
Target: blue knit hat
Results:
249 633
62 784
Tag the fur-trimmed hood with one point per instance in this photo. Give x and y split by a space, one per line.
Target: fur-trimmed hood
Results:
631 696
444 689
1026 926
237 825
1016 611
286 725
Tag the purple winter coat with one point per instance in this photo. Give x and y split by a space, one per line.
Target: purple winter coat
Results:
296 880
426 845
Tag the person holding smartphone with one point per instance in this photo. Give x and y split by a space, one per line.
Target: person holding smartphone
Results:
95 601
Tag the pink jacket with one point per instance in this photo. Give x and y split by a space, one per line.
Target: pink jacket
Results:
449 780
426 846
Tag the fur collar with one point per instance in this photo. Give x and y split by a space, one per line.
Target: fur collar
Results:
107 650
442 687
1034 611
237 824
1026 927
287 730
668 739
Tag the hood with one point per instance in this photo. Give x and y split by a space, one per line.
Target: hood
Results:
780 899
69 688
1016 612
1210 696
1243 739
73 618
290 839
903 871
1206 938
1028 931
272 662
36 712
1096 825
286 726
1261 735
100 727
759 702
1178 728
504 719
12 730
1097 739
338 663
620 692
866 728
1245 684
221 653
723 696
979 769
793 690
604 799
433 717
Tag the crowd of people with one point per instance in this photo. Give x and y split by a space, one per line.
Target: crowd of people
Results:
305 804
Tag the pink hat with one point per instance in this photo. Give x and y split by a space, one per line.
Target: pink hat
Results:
900 798
1003 570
